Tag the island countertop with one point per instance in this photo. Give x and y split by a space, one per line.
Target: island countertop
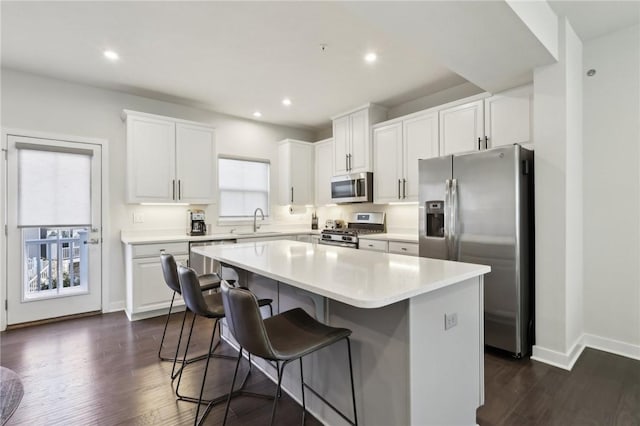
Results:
359 278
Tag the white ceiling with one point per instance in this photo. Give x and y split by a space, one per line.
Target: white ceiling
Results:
238 57
592 19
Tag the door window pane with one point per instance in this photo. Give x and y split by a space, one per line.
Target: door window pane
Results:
54 188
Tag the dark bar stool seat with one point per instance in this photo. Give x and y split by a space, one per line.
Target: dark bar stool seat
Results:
210 307
282 338
170 272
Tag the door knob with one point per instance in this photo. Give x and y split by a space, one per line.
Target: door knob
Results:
93 241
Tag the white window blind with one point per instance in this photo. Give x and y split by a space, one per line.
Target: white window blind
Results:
243 187
54 188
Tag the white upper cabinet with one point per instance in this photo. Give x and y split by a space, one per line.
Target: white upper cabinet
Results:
295 172
397 148
507 117
502 119
462 128
351 139
324 168
169 160
195 164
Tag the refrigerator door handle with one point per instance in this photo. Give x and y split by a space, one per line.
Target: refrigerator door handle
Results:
453 195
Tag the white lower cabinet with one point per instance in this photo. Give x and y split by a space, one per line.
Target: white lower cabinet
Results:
147 293
410 249
373 245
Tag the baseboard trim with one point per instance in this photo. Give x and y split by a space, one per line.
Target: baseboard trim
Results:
567 360
559 359
114 307
612 346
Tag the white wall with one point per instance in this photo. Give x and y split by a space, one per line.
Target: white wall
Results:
36 103
557 132
612 187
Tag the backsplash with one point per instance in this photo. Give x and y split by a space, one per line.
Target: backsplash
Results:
399 218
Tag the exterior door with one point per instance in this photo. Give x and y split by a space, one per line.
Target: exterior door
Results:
54 223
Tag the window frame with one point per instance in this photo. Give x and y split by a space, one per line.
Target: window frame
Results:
231 220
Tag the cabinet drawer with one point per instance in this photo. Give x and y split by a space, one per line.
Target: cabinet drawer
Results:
373 245
151 250
409 249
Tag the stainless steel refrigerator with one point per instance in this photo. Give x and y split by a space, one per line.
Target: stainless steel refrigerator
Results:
478 208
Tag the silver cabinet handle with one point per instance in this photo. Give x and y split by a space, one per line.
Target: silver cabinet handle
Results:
349 156
403 248
486 142
173 185
404 188
399 188
292 194
346 162
179 189
479 147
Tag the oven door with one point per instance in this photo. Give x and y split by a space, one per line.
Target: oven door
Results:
338 244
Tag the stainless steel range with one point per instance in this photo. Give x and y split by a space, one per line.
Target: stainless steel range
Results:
360 224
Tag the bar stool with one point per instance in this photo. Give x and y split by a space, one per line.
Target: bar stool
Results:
170 272
210 307
285 337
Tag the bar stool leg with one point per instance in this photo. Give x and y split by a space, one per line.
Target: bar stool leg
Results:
353 392
277 395
164 332
204 380
233 383
175 358
184 359
304 407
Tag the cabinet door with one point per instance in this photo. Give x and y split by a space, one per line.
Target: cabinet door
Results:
195 164
150 292
409 249
151 159
360 152
387 163
508 117
420 141
340 145
301 166
324 171
460 128
284 174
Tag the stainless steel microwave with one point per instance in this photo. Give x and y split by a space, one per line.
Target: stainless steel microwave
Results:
352 188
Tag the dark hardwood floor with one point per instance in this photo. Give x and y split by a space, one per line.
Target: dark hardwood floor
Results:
104 370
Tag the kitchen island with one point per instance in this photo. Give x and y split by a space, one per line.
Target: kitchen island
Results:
417 328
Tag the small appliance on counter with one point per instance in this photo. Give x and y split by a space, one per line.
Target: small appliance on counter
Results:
360 224
195 222
334 224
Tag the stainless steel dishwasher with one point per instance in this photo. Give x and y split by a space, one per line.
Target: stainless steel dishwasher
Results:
202 264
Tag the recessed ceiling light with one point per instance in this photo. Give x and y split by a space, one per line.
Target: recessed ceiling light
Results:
110 54
286 102
370 57
257 114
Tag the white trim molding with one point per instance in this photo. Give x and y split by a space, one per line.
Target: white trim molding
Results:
558 359
567 360
113 307
612 346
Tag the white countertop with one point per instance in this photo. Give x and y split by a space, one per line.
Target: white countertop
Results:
148 237
359 278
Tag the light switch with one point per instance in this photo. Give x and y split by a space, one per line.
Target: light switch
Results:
450 320
138 217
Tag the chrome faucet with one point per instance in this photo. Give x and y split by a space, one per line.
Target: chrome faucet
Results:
255 217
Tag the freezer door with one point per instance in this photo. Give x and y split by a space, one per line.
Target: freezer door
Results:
486 233
434 208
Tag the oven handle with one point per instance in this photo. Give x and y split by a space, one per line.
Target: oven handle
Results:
338 244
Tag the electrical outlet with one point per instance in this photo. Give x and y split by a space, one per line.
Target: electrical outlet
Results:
138 217
450 320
